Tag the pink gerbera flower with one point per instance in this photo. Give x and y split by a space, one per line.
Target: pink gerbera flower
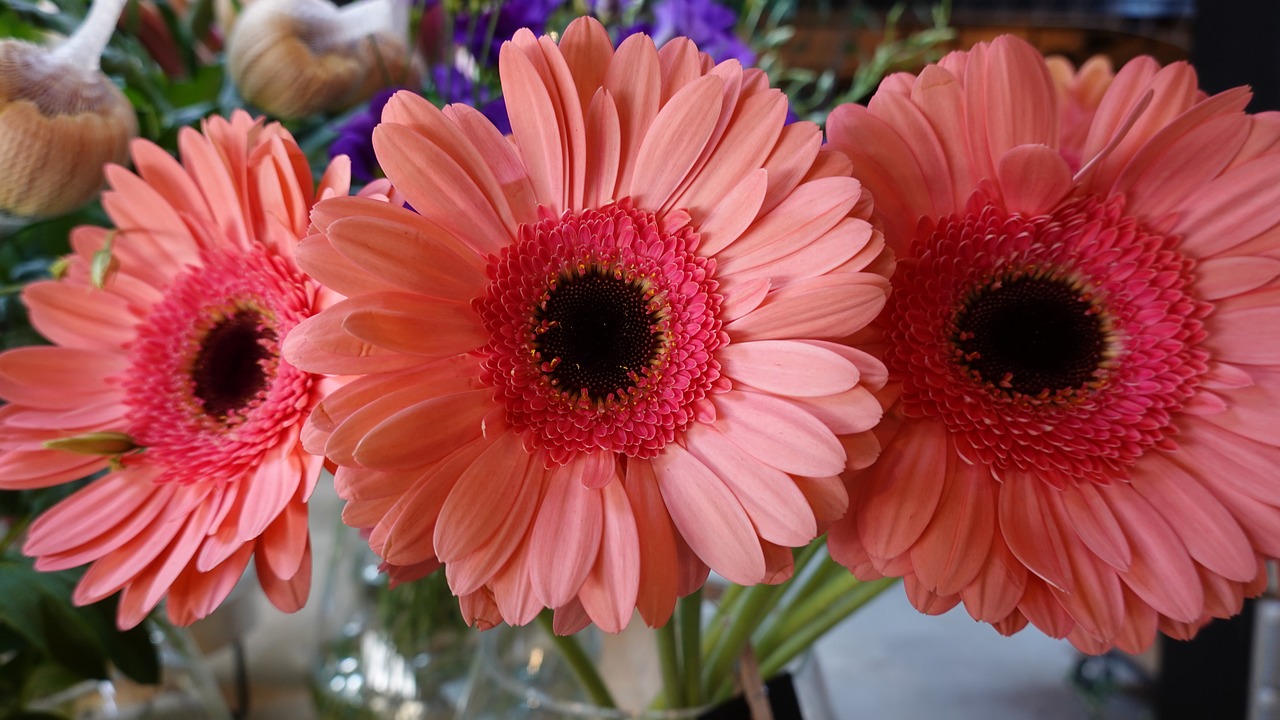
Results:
601 353
166 374
1083 370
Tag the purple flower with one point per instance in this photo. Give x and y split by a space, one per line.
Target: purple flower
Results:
470 31
705 22
453 86
355 139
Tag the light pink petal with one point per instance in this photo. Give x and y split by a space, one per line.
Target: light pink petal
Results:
709 516
566 537
733 213
604 139
826 307
779 434
790 161
610 591
779 511
439 189
806 214
587 51
1033 179
788 368
1162 572
1223 277
480 501
501 157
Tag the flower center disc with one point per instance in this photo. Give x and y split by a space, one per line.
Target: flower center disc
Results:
599 334
1064 342
207 390
1031 334
230 369
603 330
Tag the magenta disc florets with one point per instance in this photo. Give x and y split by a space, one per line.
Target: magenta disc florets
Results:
208 392
603 330
1062 343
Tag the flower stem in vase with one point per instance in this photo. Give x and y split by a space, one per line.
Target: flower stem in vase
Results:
689 615
583 668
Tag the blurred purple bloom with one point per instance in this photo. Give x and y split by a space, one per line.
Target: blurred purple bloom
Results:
455 87
708 24
470 31
355 139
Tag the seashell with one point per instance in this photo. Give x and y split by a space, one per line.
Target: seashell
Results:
294 58
61 119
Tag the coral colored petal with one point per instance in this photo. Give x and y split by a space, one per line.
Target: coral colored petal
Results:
411 253
610 591
1033 178
675 140
827 307
777 508
1095 525
1162 572
501 157
1207 529
534 127
587 51
320 344
89 512
31 469
779 434
709 516
604 138
439 189
952 550
566 537
57 377
806 214
414 325
467 574
425 431
1034 534
634 80
286 594
788 368
79 317
733 213
902 489
481 499
994 594
284 542
658 566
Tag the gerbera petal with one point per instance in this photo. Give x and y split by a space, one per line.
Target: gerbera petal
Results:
888 523
1033 532
409 252
479 501
658 565
778 510
1034 178
634 80
398 441
999 586
79 317
779 434
1161 573
610 591
788 368
965 518
675 139
468 573
414 325
826 307
566 537
57 377
287 594
709 517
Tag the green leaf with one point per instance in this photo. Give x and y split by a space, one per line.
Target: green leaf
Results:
131 651
47 679
38 606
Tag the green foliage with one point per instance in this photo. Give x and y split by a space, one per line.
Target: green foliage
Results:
47 644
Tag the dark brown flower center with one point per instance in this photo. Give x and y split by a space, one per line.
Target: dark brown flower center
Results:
1031 335
231 368
597 333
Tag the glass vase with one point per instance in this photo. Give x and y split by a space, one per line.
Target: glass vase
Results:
520 674
397 653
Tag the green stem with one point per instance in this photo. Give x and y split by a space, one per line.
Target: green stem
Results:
669 658
752 608
801 597
775 658
583 667
726 608
690 617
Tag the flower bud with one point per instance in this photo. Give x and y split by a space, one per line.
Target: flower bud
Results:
293 58
61 119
